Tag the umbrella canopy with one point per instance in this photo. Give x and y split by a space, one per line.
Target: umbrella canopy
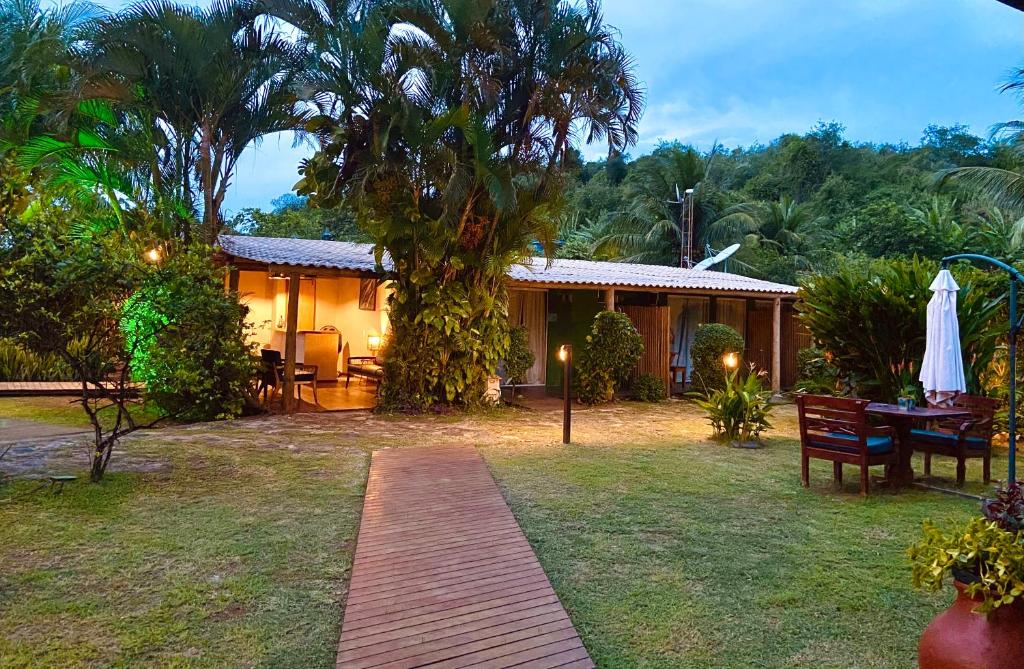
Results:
942 372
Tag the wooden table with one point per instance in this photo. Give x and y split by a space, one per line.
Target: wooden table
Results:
903 420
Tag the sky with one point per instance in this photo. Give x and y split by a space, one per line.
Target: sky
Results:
745 71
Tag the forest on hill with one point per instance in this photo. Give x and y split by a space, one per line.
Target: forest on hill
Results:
799 203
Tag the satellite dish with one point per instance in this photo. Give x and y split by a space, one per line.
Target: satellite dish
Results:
724 255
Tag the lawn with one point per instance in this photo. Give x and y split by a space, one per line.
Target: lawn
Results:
232 548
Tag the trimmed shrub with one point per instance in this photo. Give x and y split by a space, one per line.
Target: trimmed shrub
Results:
710 343
612 350
519 358
649 388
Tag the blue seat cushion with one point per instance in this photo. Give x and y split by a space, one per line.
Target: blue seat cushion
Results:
877 445
972 442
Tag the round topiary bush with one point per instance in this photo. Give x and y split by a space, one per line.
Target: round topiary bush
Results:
612 350
649 388
710 343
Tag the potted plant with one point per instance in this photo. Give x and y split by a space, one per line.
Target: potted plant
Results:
984 628
907 399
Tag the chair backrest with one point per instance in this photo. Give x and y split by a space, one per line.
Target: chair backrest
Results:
983 410
822 416
271 356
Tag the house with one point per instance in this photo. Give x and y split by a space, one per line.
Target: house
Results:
341 310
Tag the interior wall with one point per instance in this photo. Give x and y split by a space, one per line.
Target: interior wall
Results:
322 301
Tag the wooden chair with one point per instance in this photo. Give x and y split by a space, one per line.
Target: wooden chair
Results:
836 429
364 366
273 376
960 438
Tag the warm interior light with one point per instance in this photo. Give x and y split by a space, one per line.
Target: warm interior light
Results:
730 360
373 342
153 255
563 353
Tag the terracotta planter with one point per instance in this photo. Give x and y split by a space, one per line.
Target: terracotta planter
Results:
958 638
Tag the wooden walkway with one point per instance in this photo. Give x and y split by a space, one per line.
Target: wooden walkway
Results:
51 388
443 576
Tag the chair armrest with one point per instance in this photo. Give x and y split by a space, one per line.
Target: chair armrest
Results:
308 368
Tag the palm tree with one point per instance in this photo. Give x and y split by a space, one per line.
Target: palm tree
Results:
783 225
1003 187
210 82
649 228
35 81
446 124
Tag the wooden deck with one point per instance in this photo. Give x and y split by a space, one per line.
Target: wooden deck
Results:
51 388
443 576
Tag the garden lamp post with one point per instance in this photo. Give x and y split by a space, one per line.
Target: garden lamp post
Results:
1015 325
565 355
730 361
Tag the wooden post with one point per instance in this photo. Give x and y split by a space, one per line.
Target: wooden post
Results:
777 346
290 344
233 280
609 299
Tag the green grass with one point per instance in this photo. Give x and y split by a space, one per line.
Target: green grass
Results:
236 558
670 551
667 549
61 411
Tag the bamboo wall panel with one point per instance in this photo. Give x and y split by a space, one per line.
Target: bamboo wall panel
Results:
653 325
794 337
758 342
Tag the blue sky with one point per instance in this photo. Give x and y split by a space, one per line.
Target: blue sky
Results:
745 71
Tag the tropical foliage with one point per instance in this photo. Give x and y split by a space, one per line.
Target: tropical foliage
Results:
519 357
740 410
447 125
869 318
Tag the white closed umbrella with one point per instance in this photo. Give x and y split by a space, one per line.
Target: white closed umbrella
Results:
942 372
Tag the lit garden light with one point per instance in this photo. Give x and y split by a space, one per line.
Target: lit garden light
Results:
730 361
565 355
153 255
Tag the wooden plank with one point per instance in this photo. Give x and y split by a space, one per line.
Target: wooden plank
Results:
653 325
443 576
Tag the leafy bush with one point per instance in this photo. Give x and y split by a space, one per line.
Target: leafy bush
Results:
20 364
198 366
740 410
710 343
988 559
649 388
612 350
816 372
871 318
519 358
1007 508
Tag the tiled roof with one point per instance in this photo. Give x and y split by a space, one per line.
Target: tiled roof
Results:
351 256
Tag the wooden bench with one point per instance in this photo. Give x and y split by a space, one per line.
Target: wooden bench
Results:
836 429
365 366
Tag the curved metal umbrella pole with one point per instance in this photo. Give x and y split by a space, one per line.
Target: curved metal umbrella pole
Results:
1015 326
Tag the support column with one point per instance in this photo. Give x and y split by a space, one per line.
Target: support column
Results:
777 346
233 280
609 299
290 345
